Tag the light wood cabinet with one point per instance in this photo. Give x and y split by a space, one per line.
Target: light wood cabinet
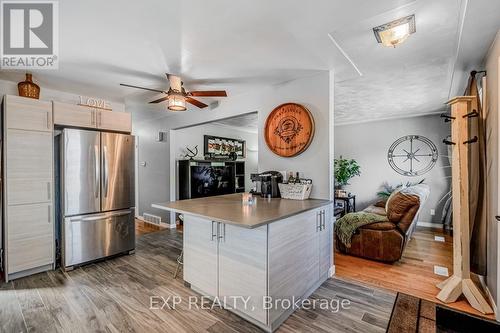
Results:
28 194
30 114
242 268
326 242
29 154
74 115
200 251
27 191
30 237
114 121
85 117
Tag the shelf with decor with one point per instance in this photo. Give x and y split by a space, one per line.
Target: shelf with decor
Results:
204 178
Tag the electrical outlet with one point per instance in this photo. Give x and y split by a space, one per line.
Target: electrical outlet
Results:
433 212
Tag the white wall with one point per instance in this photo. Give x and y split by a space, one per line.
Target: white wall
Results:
314 92
193 136
368 143
492 146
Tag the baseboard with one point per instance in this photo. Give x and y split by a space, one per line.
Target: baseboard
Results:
163 225
430 225
331 271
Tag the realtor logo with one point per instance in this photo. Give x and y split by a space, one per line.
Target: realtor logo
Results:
29 34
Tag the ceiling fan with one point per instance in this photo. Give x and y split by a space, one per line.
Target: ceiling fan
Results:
177 96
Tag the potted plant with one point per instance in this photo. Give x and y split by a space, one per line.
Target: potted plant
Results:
345 170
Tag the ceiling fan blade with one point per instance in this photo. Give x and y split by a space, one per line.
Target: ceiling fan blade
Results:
150 89
209 93
196 102
159 100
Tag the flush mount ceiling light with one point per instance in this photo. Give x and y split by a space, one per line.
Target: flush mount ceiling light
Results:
176 102
395 32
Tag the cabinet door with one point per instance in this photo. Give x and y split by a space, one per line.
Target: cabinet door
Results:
242 268
114 121
29 156
326 243
74 115
27 191
30 236
293 258
28 114
200 254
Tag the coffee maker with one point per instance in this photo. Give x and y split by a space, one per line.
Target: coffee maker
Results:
256 183
266 183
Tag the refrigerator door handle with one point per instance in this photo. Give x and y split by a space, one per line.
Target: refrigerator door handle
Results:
96 171
103 216
105 170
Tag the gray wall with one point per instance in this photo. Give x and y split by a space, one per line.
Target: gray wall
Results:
368 143
152 178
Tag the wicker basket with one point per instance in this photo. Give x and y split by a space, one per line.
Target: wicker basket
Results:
295 191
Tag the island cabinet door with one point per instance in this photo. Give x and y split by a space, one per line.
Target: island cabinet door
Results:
326 243
293 260
200 254
242 269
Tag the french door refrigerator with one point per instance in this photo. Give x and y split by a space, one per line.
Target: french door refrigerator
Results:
97 192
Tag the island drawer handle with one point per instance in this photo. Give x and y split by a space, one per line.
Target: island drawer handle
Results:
318 224
223 237
213 235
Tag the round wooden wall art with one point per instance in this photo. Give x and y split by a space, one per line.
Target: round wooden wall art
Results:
289 129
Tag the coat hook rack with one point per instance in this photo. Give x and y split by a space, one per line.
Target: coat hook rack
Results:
460 282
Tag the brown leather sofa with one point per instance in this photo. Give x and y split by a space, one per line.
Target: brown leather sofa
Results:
385 241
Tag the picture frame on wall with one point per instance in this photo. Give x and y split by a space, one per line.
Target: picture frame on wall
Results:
220 146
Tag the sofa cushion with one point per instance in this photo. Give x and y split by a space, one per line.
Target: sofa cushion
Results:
402 205
375 210
380 226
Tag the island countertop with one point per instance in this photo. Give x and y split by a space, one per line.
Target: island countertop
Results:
230 209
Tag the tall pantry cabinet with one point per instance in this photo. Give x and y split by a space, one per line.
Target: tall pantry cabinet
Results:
28 186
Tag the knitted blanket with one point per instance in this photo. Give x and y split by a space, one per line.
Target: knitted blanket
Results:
346 226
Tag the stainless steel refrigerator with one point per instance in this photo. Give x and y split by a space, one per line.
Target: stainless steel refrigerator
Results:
97 193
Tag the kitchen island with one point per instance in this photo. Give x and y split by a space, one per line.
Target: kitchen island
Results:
259 259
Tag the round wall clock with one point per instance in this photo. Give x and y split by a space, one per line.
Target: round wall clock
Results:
289 130
412 155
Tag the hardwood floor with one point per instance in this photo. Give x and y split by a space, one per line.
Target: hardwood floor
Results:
114 296
142 227
413 274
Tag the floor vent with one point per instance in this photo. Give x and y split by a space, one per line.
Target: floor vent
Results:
152 218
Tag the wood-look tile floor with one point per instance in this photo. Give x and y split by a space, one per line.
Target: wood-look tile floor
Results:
114 296
413 274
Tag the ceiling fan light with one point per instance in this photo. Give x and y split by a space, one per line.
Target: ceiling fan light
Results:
395 32
177 103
